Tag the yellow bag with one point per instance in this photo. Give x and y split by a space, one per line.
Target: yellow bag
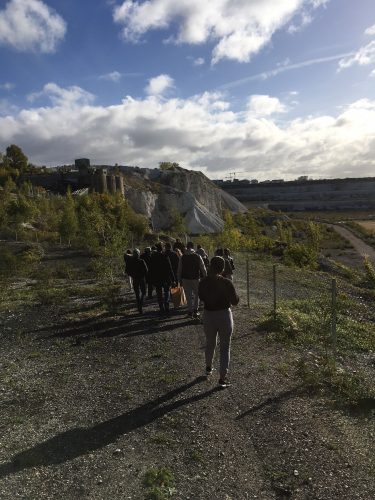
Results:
178 296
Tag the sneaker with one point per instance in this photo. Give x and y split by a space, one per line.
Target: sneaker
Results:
196 315
208 371
223 383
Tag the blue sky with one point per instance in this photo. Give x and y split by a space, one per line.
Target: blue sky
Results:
269 89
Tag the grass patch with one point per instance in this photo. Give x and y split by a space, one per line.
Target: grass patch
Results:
325 377
308 323
160 483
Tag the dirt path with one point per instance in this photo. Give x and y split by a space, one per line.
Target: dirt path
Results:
89 403
360 246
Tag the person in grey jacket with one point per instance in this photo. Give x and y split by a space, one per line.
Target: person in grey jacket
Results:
190 269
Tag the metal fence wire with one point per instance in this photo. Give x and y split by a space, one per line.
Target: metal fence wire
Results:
308 305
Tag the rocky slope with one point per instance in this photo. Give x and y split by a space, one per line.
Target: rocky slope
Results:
158 193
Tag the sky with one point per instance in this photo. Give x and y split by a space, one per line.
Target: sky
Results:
263 88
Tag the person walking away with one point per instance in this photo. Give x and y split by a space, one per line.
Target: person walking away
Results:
138 271
190 269
178 245
162 277
228 256
228 271
172 256
128 258
218 295
146 256
201 251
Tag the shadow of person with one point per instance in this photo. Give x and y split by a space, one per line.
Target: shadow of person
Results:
76 442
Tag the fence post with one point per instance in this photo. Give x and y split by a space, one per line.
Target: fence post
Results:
333 316
248 281
274 293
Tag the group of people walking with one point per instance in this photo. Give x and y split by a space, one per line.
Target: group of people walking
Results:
162 267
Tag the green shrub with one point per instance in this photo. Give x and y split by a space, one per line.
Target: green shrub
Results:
297 254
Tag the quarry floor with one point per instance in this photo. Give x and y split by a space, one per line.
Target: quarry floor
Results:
90 402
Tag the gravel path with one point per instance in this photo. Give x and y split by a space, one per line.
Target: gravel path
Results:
89 405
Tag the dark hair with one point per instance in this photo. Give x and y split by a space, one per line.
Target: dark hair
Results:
217 265
190 244
226 251
159 246
219 252
168 246
199 246
136 253
153 248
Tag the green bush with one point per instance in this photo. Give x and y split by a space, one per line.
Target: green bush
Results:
298 254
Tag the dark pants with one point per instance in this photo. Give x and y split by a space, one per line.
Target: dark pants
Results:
140 292
150 288
162 292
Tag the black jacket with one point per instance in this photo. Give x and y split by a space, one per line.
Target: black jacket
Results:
137 269
174 259
161 272
217 293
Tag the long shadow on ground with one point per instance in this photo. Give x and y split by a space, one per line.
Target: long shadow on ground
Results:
104 326
79 441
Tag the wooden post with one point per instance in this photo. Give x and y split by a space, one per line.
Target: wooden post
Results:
248 281
334 316
274 293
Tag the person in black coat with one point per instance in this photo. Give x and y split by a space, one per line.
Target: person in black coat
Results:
172 256
146 256
162 277
138 271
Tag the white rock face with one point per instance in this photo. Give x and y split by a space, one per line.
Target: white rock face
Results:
155 193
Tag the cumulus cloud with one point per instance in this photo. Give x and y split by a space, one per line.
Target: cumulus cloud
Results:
364 57
264 105
370 31
59 96
114 76
30 25
201 132
240 28
159 85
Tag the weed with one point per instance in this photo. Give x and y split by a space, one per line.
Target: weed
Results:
160 484
111 297
161 439
196 456
51 296
347 388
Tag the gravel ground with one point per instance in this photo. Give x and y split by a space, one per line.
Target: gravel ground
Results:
91 402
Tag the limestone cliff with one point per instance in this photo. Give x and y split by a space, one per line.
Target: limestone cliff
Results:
156 193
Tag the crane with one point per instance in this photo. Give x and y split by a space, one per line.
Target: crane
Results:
232 175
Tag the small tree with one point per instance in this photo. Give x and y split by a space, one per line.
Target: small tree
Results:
15 158
68 225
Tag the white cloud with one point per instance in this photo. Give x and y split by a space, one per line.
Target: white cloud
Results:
71 96
370 31
114 76
199 61
364 56
372 72
240 28
264 105
201 132
159 84
30 25
7 86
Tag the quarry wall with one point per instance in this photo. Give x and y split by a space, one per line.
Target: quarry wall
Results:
325 194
